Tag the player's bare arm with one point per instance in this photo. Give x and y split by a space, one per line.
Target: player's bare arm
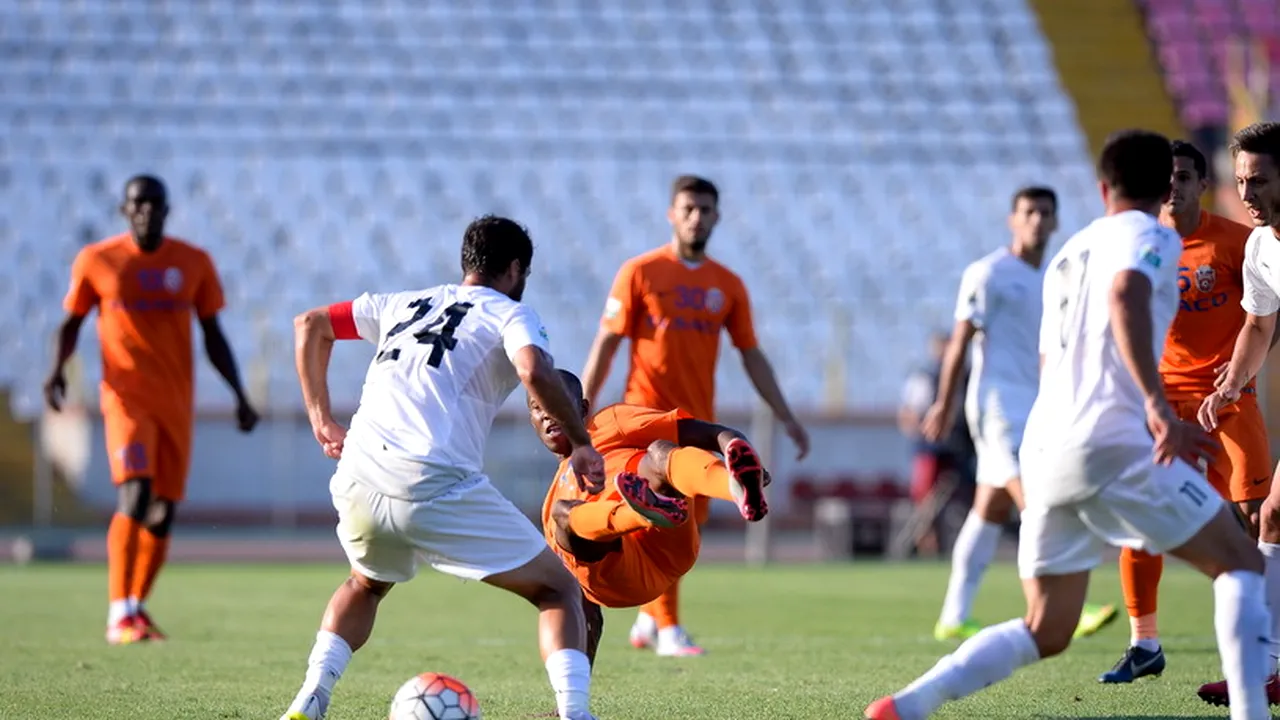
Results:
599 360
1131 321
542 381
55 387
313 339
941 416
760 371
218 349
1254 340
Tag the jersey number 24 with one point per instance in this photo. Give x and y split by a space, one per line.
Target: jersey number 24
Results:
438 333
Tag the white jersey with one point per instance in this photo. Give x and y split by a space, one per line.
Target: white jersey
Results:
442 370
1000 297
1089 405
1261 273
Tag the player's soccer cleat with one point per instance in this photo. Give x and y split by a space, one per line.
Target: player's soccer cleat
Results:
125 631
746 479
311 708
1135 663
677 644
1215 693
147 627
662 511
643 638
1093 618
963 631
882 709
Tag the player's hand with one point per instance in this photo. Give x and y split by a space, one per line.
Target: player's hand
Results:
588 468
937 422
246 416
331 437
1177 440
1220 375
799 436
55 390
1209 408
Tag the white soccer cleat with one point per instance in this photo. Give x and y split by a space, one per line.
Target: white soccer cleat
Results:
313 707
677 643
643 636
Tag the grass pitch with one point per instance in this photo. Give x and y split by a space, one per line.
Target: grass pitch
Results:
796 642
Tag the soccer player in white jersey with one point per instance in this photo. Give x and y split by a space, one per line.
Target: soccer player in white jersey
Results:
1104 458
409 485
1256 149
998 312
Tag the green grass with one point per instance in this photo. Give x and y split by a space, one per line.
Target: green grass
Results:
785 642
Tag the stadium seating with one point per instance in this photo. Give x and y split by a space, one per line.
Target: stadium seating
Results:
1192 38
864 152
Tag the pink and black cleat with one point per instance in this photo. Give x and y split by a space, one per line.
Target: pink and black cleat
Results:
662 511
147 627
747 478
1215 693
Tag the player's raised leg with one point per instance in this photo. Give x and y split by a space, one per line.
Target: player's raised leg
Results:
693 472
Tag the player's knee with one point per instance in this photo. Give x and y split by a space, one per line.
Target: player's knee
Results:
159 520
992 504
653 467
1052 635
559 588
369 586
133 498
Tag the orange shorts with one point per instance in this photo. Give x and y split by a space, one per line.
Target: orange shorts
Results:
1241 469
139 445
625 578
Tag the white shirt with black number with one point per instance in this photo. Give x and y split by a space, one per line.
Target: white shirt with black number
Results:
1261 273
443 368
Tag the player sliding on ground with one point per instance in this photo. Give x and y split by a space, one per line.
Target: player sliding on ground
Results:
1105 459
409 484
629 544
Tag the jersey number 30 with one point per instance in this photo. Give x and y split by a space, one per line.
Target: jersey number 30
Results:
438 334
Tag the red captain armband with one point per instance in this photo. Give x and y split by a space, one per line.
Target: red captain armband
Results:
344 321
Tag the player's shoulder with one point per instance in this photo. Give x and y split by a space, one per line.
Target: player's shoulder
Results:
188 252
656 258
105 246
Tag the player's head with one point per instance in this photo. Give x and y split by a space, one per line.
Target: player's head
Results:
1033 216
1256 150
1190 178
1134 168
145 206
497 252
550 433
694 211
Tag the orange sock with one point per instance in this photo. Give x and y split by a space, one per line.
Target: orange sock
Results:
664 609
122 551
696 472
152 551
603 520
1140 582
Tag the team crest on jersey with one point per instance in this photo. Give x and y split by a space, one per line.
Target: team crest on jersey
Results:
1205 278
714 300
543 333
172 279
612 307
1150 256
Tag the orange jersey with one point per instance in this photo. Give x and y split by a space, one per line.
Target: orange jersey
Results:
673 312
145 302
1204 331
650 560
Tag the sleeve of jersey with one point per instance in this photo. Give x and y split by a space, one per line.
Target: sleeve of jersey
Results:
1151 254
620 306
81 296
1258 297
357 319
742 328
524 328
971 303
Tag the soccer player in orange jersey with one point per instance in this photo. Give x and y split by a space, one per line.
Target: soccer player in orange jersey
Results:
628 544
1199 341
672 303
145 286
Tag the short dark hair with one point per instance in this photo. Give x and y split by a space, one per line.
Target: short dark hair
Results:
571 383
1184 149
1137 165
155 182
490 243
1034 193
1261 138
696 185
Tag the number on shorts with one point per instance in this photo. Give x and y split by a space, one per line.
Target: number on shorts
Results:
1194 493
1072 284
439 334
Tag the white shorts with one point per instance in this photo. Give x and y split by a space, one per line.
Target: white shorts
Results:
469 530
996 441
1153 508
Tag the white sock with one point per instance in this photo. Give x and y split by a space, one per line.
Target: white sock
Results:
974 549
117 610
135 605
1242 623
570 675
984 659
1148 644
645 624
329 658
1271 556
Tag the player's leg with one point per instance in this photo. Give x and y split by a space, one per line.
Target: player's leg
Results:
1055 553
976 544
1139 581
131 450
692 472
168 490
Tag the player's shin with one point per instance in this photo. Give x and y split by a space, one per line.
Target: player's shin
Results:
603 521
1271 576
986 658
122 549
345 628
975 547
1241 621
694 472
1140 581
563 639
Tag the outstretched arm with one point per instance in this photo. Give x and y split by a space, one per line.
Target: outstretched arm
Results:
55 387
224 361
760 371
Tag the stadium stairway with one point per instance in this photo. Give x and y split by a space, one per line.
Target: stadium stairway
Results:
1096 42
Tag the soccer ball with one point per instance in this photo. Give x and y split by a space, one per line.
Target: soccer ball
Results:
432 696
